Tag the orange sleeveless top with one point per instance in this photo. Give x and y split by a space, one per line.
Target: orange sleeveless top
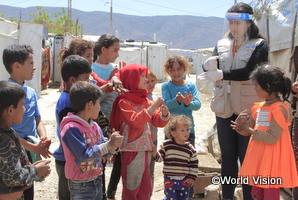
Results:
270 165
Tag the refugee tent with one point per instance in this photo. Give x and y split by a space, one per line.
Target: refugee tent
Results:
279 27
27 33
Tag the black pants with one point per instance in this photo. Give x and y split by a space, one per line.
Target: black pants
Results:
233 147
29 193
115 177
63 190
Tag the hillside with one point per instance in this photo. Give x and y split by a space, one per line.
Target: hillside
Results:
186 32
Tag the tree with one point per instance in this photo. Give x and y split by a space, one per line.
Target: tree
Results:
60 19
12 19
43 17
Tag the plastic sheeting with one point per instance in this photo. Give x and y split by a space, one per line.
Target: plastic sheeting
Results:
280 25
8 36
31 34
132 55
8 27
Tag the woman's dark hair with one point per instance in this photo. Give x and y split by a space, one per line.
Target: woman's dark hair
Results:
105 40
253 30
272 79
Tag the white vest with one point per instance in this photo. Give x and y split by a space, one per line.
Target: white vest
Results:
234 96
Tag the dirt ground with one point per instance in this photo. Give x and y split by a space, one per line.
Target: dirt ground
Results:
47 190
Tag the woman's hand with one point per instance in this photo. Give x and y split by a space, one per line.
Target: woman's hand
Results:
211 63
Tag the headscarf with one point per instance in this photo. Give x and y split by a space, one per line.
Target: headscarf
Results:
130 77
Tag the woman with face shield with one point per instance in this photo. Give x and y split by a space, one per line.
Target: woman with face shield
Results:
234 58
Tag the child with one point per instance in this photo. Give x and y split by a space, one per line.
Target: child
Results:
84 48
180 159
16 174
152 80
131 114
269 161
105 53
180 96
83 142
74 68
151 83
18 61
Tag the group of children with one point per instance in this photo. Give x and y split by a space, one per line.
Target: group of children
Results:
131 129
84 145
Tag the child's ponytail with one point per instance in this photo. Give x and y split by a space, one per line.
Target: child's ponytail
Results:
286 91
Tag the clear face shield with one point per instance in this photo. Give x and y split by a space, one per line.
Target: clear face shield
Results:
236 25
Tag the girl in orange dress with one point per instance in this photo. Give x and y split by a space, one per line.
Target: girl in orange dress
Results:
269 162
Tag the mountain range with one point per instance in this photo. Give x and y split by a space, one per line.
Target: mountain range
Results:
177 31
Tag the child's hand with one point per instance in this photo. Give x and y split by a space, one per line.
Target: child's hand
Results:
45 142
164 110
240 128
113 72
106 86
41 149
188 98
242 118
295 87
121 64
115 140
43 169
154 151
157 103
180 97
189 181
117 85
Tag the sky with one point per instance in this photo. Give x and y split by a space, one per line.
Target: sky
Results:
204 8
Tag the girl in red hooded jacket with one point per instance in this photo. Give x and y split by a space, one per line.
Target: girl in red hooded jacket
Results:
132 115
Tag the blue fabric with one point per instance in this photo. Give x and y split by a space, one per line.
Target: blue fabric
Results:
169 92
62 108
233 147
243 16
102 72
74 140
91 190
28 125
176 189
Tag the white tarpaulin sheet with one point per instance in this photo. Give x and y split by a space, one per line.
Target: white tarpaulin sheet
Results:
8 27
8 36
281 23
132 55
31 34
